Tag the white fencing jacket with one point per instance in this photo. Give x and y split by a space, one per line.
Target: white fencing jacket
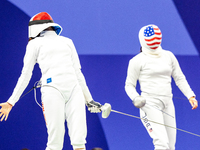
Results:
59 64
154 73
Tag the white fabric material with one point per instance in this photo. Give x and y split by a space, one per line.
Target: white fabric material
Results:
164 138
151 53
34 30
58 61
154 75
154 69
56 110
64 89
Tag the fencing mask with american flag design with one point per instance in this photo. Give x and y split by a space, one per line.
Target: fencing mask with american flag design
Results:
150 38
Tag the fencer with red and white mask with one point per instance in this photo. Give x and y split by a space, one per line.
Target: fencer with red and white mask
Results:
64 89
153 67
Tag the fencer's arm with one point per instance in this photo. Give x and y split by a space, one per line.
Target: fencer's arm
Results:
29 62
180 78
93 107
84 87
131 79
5 110
193 102
79 74
182 83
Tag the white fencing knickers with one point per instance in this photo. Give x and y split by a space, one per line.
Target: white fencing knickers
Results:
164 138
57 109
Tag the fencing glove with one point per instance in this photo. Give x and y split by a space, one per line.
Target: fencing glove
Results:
94 107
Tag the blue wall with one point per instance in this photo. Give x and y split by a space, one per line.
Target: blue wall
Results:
105 35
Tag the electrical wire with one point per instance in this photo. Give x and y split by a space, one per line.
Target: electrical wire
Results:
155 122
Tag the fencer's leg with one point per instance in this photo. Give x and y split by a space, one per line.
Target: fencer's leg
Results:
170 122
157 132
53 109
76 119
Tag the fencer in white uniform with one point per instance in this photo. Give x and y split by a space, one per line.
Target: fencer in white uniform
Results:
64 90
153 68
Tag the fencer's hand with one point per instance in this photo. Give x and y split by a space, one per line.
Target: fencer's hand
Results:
5 110
193 102
94 107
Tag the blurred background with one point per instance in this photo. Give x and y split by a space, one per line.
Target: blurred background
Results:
105 33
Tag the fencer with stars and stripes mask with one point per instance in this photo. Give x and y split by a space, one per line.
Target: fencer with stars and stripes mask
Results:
150 38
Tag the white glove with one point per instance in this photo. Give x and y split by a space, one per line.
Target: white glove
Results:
139 101
94 107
